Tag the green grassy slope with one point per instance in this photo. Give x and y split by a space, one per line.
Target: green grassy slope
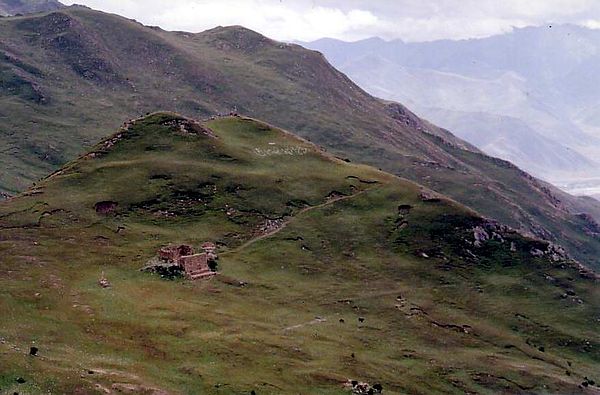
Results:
439 314
69 76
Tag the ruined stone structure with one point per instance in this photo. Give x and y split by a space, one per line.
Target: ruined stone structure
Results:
210 251
194 266
174 253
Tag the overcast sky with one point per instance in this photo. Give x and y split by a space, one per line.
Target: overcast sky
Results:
409 20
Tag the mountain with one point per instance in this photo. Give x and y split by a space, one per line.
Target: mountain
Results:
70 76
535 83
13 7
329 271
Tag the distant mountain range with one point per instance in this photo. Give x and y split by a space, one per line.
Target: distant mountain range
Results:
14 7
530 96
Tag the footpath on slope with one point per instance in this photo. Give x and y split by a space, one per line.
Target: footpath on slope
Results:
290 219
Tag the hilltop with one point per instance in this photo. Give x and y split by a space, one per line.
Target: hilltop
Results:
70 76
329 271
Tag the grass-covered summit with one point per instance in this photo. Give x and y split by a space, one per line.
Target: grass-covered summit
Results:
329 271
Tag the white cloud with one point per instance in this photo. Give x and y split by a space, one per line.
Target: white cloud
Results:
273 18
306 20
592 23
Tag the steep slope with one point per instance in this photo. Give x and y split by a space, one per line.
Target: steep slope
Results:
74 74
547 83
329 271
13 7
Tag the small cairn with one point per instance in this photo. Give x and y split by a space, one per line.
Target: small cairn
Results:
103 281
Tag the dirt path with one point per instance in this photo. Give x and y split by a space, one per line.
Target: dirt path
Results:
316 321
289 220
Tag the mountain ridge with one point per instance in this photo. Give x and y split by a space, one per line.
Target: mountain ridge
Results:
81 73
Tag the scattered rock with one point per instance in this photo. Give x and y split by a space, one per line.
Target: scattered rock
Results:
588 382
536 252
361 388
480 235
188 127
430 196
270 225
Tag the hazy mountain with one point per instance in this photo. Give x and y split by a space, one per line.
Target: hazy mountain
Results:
13 7
529 96
69 76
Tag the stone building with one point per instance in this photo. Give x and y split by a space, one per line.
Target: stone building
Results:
174 253
195 266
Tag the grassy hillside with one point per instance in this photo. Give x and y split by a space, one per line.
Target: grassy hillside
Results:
363 276
69 76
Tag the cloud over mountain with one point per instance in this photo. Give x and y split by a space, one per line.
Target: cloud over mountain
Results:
356 19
